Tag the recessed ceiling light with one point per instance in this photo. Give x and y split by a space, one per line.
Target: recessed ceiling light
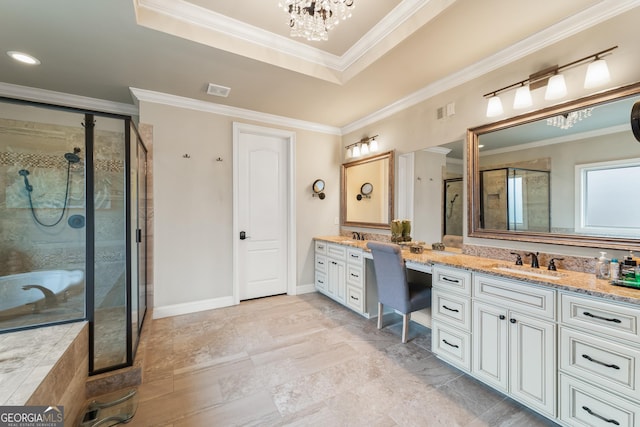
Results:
23 57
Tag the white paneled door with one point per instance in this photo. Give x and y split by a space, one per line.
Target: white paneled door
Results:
262 214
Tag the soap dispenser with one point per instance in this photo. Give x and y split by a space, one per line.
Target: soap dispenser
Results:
602 267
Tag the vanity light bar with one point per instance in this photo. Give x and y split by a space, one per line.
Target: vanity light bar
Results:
547 77
366 145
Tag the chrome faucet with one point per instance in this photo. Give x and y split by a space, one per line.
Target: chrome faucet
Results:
534 259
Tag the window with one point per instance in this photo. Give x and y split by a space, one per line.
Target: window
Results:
607 201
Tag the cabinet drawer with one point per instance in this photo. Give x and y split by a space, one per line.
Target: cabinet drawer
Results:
610 365
516 295
336 251
451 345
355 298
321 263
452 279
601 316
321 281
454 310
582 404
321 247
354 256
355 275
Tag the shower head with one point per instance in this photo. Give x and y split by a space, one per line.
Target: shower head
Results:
23 173
72 157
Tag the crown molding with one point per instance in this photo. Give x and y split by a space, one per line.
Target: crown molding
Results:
67 100
225 110
377 40
597 14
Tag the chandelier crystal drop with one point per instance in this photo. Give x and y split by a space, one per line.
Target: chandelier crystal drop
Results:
567 121
313 19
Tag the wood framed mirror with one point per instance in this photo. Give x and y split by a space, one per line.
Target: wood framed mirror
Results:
376 209
565 174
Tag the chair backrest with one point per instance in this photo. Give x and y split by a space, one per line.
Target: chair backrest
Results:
391 275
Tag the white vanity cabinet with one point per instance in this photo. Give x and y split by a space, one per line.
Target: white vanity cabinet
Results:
599 362
340 274
451 314
514 340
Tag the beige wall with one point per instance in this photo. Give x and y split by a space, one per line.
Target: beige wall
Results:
193 197
417 127
193 200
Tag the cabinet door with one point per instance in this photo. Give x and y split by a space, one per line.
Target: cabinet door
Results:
490 352
532 369
336 286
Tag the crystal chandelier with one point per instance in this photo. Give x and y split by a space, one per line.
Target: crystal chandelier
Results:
567 121
313 19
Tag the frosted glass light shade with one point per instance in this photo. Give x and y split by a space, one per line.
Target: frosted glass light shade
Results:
523 98
373 145
494 106
364 149
556 88
356 151
597 74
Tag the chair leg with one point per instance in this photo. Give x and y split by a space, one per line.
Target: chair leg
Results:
380 310
405 327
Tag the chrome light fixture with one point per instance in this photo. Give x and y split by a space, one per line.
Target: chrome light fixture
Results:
366 145
312 19
597 75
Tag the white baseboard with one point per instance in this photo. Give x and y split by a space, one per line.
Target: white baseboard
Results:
305 289
191 307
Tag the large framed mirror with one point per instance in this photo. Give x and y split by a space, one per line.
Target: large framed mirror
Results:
367 191
566 174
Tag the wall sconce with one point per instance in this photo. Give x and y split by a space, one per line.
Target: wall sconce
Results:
318 189
363 147
597 75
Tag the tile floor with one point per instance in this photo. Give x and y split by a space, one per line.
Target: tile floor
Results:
306 361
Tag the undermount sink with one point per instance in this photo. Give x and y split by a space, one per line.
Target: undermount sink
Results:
527 271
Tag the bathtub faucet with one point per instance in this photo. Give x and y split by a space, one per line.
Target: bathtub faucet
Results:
23 173
50 299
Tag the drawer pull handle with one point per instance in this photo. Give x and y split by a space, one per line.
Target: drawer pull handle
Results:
449 344
446 279
352 297
334 263
355 256
614 320
591 359
355 275
606 420
321 282
450 309
502 317
321 262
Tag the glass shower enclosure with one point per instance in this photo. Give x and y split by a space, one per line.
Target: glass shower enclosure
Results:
72 225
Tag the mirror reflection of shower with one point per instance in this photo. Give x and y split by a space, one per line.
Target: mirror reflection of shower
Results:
452 209
71 158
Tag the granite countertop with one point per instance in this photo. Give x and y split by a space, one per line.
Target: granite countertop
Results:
584 283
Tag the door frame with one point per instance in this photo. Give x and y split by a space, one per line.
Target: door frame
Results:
290 137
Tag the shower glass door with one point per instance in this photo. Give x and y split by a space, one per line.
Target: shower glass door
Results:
42 216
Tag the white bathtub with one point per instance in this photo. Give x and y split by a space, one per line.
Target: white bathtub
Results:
20 290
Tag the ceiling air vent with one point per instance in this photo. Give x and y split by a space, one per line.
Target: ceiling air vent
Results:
218 90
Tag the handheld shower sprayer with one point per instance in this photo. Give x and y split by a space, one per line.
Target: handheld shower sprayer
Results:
23 173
